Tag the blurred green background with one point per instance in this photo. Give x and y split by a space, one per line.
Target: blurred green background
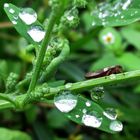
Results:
91 50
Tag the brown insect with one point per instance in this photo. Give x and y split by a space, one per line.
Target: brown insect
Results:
104 72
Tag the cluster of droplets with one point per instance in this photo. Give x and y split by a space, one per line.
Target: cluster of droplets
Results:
106 10
29 17
67 102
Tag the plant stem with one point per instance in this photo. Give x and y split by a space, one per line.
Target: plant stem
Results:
50 70
127 77
56 14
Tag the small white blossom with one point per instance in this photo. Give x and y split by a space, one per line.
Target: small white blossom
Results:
108 38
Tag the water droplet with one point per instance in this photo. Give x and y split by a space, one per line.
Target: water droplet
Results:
92 120
14 22
68 85
77 116
70 17
110 113
15 17
6 5
28 16
112 76
93 23
122 17
12 11
97 93
126 4
84 111
88 103
36 33
116 126
66 101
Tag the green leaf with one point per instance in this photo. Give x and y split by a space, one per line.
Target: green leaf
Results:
5 104
129 61
26 23
132 36
85 112
104 61
6 134
116 13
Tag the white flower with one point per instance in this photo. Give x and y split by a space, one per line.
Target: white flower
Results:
108 38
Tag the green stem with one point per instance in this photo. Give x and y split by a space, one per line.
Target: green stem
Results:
127 77
56 62
56 14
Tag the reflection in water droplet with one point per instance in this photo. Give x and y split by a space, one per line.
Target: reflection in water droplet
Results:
112 76
68 85
12 11
28 16
92 120
97 93
110 113
36 33
116 126
88 103
65 101
6 5
14 22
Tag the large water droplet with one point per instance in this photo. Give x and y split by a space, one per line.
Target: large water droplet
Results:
28 16
116 126
92 120
36 33
66 101
110 113
97 93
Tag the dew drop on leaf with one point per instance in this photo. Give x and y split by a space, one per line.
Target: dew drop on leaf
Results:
84 111
70 17
77 116
97 93
126 4
110 113
6 5
88 103
36 33
116 126
28 16
65 101
92 120
11 11
14 22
